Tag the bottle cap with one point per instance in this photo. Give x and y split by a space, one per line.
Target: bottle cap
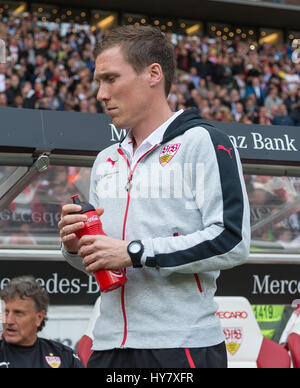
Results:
86 207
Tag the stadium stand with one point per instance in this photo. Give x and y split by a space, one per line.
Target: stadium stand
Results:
227 80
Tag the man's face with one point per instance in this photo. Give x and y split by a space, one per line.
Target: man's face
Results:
125 93
21 321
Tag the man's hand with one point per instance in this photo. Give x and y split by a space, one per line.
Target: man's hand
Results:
70 223
103 252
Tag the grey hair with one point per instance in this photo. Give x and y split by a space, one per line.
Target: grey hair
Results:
27 287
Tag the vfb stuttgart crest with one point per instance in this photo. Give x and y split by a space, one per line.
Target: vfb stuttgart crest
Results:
168 153
233 338
54 362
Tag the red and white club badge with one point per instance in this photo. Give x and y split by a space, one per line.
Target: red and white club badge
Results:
234 338
54 362
168 153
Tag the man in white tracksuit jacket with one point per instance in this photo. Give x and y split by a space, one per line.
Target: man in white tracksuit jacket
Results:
177 195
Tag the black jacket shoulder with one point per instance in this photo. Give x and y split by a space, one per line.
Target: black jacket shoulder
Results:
43 354
52 349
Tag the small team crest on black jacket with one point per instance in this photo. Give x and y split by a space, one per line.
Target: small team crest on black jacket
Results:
54 362
168 153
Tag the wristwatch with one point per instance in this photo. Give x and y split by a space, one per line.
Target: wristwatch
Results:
135 250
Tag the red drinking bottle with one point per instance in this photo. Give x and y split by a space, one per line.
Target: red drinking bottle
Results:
108 280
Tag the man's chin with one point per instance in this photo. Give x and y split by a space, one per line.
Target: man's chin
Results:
17 340
12 339
118 123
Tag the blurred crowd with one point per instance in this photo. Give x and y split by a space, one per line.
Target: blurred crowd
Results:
226 81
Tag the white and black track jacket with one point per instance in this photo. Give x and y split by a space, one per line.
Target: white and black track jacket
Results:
186 200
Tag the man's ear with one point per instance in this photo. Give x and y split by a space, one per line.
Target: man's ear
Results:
40 317
155 74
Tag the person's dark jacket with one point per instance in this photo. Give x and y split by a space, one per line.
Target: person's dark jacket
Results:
43 354
282 120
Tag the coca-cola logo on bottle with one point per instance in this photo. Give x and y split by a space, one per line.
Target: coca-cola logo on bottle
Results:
92 219
117 273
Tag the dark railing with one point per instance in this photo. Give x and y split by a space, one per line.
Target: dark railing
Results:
282 2
287 2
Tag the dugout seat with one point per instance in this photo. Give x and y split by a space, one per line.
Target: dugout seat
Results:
85 343
294 338
272 355
246 346
84 349
290 337
294 348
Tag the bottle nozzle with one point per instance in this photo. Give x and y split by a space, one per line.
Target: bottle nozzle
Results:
76 199
85 206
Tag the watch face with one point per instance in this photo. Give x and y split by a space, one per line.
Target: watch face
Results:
135 247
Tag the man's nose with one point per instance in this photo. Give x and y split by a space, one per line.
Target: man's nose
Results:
9 318
103 94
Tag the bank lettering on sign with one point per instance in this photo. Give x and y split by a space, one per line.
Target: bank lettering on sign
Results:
259 142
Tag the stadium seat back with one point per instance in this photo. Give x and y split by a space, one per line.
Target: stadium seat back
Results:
273 355
242 334
294 347
85 344
85 349
291 337
246 346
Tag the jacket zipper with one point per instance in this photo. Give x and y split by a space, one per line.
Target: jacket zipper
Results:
128 188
